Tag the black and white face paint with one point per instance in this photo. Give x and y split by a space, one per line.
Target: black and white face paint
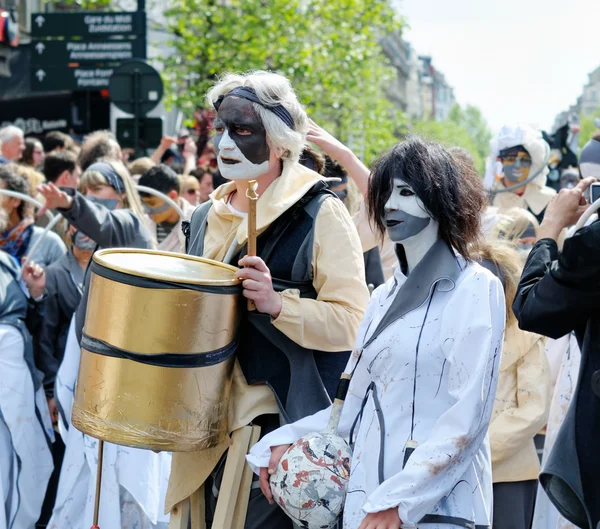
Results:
240 140
405 215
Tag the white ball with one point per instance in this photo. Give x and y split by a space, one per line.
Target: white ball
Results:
311 480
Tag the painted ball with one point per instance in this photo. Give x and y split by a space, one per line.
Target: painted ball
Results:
311 480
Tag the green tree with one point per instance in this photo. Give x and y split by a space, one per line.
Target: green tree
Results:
471 119
328 49
450 134
588 127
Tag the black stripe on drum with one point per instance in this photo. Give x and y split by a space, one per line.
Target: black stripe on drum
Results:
146 282
210 358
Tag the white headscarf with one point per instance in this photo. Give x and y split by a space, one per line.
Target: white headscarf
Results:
531 139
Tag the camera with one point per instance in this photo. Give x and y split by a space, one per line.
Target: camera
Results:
594 192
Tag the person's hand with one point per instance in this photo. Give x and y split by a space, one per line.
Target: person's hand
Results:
190 149
258 285
382 520
331 146
53 409
55 198
34 277
565 210
166 142
276 455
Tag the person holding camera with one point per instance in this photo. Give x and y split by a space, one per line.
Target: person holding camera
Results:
558 294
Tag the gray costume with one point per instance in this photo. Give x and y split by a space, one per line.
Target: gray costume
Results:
120 228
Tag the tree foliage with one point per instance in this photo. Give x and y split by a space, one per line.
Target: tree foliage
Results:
451 134
328 49
588 127
471 119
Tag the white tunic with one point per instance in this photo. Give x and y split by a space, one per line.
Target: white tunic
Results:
134 481
25 435
459 332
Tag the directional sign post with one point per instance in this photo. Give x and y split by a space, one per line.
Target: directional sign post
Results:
88 25
55 78
80 50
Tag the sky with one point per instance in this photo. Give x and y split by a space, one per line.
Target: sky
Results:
517 60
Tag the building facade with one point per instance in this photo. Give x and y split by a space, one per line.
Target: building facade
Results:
419 89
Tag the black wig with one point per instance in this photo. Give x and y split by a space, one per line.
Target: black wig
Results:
448 186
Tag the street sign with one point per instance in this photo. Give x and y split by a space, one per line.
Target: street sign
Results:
51 78
136 88
149 134
88 25
50 52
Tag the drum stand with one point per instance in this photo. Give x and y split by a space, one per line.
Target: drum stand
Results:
98 484
234 493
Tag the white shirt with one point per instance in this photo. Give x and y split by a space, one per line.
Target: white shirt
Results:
460 345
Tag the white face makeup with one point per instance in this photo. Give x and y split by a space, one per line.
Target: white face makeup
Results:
233 165
405 215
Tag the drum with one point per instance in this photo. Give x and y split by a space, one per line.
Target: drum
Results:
157 350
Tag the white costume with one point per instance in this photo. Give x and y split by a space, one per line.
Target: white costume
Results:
434 371
546 516
134 479
25 437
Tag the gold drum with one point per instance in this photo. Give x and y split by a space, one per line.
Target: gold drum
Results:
157 350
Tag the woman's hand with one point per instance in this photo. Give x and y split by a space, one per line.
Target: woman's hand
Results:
55 198
331 146
382 520
34 277
258 285
276 455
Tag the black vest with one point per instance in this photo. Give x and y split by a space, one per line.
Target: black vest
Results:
303 381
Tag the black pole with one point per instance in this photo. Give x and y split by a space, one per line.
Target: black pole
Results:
136 111
141 4
88 111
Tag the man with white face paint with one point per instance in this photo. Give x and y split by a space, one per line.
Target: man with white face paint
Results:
517 170
307 280
426 358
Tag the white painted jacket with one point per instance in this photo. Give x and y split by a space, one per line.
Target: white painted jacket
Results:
459 329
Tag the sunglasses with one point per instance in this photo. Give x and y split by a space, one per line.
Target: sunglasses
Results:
192 191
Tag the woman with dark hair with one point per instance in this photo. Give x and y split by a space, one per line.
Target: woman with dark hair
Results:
426 360
33 155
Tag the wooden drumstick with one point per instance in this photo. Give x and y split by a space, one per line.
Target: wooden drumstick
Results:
253 198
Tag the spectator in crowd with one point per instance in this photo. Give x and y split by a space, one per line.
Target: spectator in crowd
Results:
557 294
13 144
166 221
34 178
58 141
25 427
60 168
33 155
138 167
522 399
190 189
64 286
101 144
108 211
204 177
21 234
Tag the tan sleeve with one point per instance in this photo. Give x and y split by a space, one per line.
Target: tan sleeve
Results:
330 322
368 238
514 427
